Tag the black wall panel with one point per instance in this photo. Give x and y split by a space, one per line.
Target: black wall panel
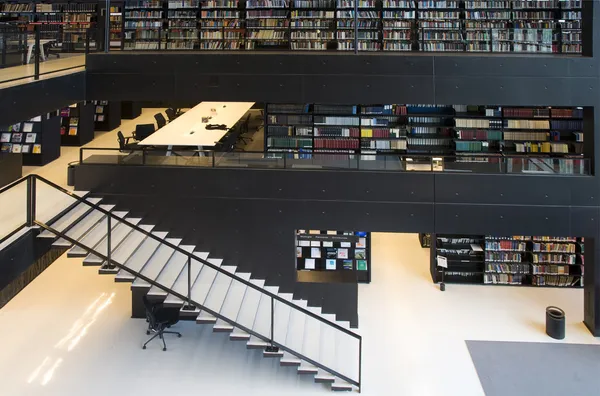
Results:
22 102
585 221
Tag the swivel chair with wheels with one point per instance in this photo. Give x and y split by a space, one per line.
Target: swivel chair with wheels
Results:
124 144
160 120
171 114
159 319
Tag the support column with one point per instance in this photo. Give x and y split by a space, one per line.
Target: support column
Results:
591 286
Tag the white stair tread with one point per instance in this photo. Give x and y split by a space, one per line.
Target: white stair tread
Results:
324 376
158 261
83 226
171 271
295 330
181 283
118 234
204 281
234 298
96 234
222 325
180 277
249 307
290 359
141 256
217 293
312 337
282 320
341 385
307 367
262 322
257 342
69 218
122 253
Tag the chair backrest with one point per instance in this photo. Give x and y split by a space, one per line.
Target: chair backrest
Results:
153 323
160 120
142 131
171 114
246 124
121 140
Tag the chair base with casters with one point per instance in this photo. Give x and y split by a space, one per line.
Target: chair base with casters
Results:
159 319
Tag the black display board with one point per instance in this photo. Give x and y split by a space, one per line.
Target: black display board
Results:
334 254
77 124
37 139
107 115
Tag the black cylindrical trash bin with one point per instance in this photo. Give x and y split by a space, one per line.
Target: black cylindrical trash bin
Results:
71 173
555 322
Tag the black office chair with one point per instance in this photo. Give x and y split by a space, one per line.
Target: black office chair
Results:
124 144
160 120
142 131
171 114
159 319
244 129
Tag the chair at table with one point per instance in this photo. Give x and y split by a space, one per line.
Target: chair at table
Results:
159 318
171 114
160 120
244 129
142 131
124 145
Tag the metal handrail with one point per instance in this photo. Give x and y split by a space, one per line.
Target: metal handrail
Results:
191 256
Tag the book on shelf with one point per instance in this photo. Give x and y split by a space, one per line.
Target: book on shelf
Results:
37 149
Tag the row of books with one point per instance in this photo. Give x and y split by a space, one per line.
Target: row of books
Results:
21 148
554 258
505 245
554 247
506 268
559 281
552 269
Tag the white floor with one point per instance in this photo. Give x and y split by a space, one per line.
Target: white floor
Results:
75 63
69 333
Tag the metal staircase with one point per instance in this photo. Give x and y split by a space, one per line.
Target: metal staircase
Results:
201 286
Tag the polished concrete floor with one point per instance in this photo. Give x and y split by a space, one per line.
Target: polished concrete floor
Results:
24 74
70 332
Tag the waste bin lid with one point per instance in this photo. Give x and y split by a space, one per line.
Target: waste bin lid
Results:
555 312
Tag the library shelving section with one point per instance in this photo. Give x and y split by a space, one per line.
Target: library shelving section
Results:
143 24
107 115
116 26
533 138
530 26
267 24
221 25
312 25
333 256
37 139
539 261
77 124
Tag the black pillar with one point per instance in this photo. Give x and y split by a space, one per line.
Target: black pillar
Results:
591 286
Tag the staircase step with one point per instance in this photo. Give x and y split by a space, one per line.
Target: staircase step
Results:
289 360
218 291
95 235
168 280
341 386
70 218
181 284
256 343
118 235
324 377
312 338
205 318
306 368
157 262
233 301
203 283
137 260
262 321
239 335
278 354
171 271
222 327
83 226
282 319
126 249
248 309
295 330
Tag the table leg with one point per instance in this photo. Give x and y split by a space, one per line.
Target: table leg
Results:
42 54
169 148
29 52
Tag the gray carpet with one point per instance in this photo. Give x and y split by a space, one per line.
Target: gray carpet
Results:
528 368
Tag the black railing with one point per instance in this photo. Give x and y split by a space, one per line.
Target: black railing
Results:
475 162
31 220
43 49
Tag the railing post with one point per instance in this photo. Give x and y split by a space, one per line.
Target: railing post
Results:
37 52
359 365
31 201
109 263
272 348
87 41
189 306
107 27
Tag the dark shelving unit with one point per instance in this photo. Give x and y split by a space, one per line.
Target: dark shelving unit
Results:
77 124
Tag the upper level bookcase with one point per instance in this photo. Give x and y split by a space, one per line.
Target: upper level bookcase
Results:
524 26
471 133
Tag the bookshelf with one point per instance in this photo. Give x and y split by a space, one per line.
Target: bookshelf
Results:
221 25
143 24
107 115
367 32
539 261
312 25
486 26
327 255
440 26
471 133
77 124
534 24
37 139
399 26
569 26
116 27
182 24
267 24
